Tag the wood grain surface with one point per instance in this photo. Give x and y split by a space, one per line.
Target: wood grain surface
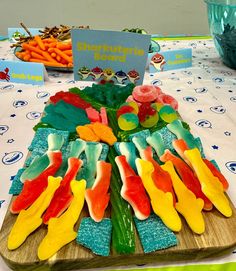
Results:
218 239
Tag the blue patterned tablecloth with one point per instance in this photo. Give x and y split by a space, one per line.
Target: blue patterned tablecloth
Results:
206 93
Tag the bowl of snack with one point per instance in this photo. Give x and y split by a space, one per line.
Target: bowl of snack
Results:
222 23
52 47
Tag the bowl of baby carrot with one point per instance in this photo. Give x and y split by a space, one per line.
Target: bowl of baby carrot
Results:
51 47
48 51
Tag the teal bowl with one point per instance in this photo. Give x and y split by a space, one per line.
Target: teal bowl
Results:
222 24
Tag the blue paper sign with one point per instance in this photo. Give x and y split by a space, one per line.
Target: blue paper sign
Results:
15 33
170 60
22 72
109 55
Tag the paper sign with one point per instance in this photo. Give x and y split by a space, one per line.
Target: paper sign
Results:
170 60
109 55
22 72
15 33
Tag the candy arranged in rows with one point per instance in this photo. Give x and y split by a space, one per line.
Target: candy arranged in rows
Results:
186 186
164 162
58 201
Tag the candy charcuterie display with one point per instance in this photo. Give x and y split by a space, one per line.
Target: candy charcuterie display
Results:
114 176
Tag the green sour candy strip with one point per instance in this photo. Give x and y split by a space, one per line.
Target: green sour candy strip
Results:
156 141
177 128
123 236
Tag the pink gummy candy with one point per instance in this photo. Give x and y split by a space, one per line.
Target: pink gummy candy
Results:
145 93
92 114
103 115
167 99
158 90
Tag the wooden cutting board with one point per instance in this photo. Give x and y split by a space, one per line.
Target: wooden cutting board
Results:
218 239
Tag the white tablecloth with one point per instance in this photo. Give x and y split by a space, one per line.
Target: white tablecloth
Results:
206 93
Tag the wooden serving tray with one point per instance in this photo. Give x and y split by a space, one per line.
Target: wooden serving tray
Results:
218 239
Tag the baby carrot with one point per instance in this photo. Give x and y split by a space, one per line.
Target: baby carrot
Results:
58 58
53 55
20 54
39 42
31 48
68 52
26 57
64 46
52 44
50 50
48 40
63 55
38 56
32 42
48 57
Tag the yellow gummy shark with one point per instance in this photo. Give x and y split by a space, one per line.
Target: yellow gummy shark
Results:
162 203
188 205
30 219
61 229
211 186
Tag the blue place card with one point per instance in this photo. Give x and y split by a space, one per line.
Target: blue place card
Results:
109 55
14 33
22 72
170 60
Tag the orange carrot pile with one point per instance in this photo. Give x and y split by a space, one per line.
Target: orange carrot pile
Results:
49 51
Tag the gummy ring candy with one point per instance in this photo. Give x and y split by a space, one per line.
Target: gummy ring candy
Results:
145 93
167 99
158 90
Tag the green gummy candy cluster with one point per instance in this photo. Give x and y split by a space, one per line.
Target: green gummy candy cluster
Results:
109 94
64 116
